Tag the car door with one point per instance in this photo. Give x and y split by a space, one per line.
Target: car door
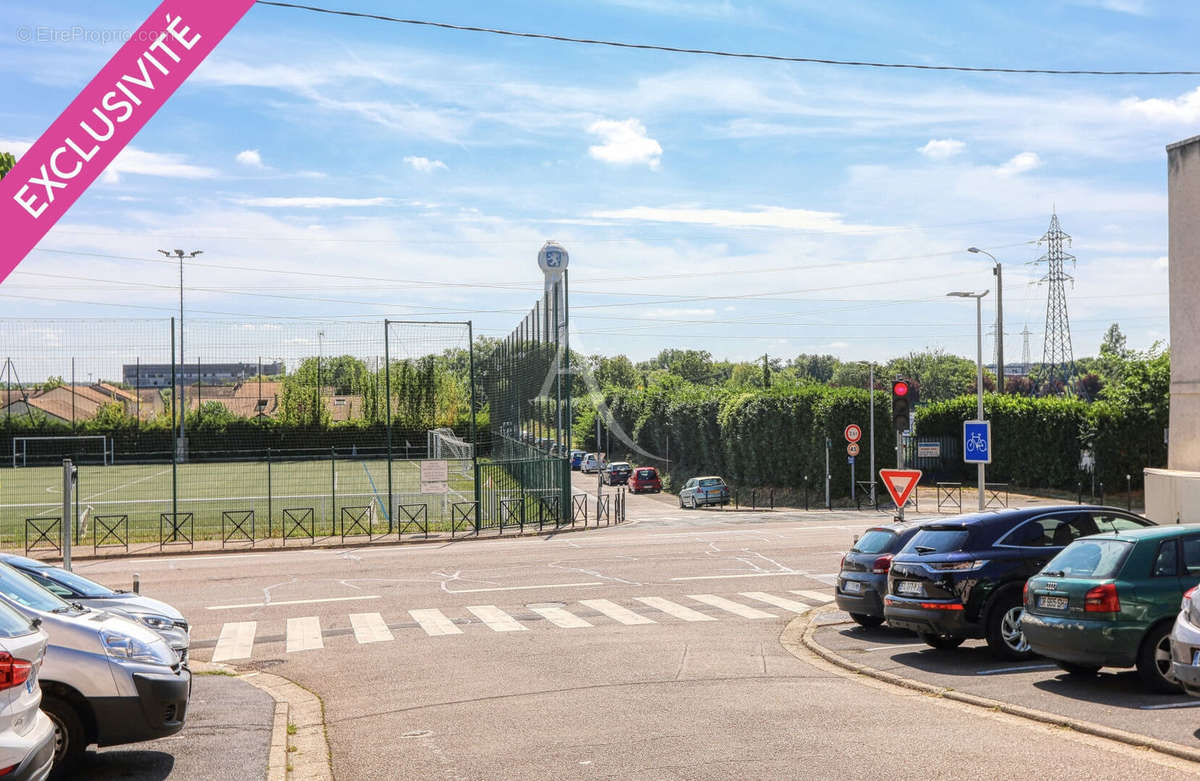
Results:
1041 538
1160 595
689 488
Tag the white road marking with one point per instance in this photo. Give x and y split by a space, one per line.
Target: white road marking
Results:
560 617
523 588
890 647
746 575
290 602
370 628
818 596
235 642
496 619
1166 705
731 606
1021 669
304 634
434 622
672 609
771 599
616 612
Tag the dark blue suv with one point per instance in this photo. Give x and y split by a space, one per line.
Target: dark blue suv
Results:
962 577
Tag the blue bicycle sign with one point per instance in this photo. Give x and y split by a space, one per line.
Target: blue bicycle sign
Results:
977 441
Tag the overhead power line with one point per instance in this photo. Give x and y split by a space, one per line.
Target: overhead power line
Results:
718 52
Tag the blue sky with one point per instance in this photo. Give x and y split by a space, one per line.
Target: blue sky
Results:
333 168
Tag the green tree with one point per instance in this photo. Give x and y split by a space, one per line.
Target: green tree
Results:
692 365
7 161
616 372
938 376
818 368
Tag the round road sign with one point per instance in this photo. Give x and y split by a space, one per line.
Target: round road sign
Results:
852 449
853 433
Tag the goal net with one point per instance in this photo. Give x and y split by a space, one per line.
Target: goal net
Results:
443 444
92 449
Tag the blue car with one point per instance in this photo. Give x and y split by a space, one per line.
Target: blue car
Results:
577 459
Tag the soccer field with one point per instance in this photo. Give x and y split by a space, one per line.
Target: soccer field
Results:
143 492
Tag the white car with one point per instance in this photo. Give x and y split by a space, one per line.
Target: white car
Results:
591 463
26 733
1185 644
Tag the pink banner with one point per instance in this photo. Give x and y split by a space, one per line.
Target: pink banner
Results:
105 117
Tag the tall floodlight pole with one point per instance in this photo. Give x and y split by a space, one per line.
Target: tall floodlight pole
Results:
998 272
871 383
978 370
182 446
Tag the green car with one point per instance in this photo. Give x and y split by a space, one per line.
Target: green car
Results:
1110 600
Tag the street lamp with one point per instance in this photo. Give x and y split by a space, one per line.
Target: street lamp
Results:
998 271
978 366
182 446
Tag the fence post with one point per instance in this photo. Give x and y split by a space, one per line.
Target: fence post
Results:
772 498
806 493
270 502
387 400
333 491
1129 493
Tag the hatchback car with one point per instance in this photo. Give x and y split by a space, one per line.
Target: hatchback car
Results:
591 463
159 616
963 577
704 491
1110 601
1185 643
577 459
862 579
617 473
645 479
26 733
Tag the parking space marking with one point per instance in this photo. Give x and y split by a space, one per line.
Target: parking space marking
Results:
560 617
771 599
370 628
291 602
496 619
236 641
304 634
1020 669
891 647
814 595
672 609
434 622
733 607
1166 705
616 612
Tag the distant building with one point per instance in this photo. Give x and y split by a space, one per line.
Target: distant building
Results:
158 375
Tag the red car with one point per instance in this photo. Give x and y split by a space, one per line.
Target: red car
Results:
645 478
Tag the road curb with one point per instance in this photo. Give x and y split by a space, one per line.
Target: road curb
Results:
302 754
801 630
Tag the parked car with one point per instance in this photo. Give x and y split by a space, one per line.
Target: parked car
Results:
105 680
577 459
617 473
963 577
862 579
159 616
1185 643
591 463
703 491
645 479
26 733
1110 601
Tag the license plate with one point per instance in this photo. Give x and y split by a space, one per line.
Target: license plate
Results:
852 587
1053 603
909 587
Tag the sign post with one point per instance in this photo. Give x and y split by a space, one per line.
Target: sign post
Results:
977 448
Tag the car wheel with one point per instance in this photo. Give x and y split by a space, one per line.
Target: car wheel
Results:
1004 635
70 741
941 642
870 622
1070 668
1154 661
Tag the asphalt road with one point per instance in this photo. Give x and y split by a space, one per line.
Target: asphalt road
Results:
644 651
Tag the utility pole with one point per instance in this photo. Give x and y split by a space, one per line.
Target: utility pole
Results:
978 373
182 445
1057 356
871 383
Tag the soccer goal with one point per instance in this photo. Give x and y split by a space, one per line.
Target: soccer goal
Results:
443 444
48 451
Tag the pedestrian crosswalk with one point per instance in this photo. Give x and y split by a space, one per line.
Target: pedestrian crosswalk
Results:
236 640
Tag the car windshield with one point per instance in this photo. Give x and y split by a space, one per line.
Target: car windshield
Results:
67 584
1098 559
710 482
619 465
646 474
937 541
24 591
12 623
874 541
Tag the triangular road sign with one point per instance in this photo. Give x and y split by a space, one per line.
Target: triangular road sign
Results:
900 483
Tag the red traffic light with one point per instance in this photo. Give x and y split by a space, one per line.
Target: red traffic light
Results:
899 388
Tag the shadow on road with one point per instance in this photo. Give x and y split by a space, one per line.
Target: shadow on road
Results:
126 765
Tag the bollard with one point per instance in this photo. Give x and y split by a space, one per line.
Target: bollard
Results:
1129 493
772 498
137 583
1079 493
1102 492
735 498
806 493
753 498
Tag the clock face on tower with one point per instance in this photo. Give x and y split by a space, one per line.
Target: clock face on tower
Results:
552 257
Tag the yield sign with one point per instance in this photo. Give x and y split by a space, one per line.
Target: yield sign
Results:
900 483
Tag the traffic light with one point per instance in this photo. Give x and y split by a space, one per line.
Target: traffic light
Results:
902 399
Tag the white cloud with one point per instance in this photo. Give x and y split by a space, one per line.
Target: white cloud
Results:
624 143
1019 164
312 202
762 217
1183 109
132 160
1135 7
250 157
424 164
942 148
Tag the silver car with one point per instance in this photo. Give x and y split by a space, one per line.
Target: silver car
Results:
1185 644
71 587
26 733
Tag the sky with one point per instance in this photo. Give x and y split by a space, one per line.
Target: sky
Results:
337 169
